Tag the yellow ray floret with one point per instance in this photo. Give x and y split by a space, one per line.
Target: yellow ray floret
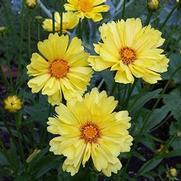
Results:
88 128
61 67
131 50
13 103
69 21
90 9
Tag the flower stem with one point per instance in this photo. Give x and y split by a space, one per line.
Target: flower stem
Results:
43 7
168 17
53 20
100 84
148 17
130 90
61 16
18 125
123 10
3 77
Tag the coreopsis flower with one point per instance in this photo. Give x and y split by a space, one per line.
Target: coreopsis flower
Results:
60 67
69 21
90 9
88 128
31 3
153 5
131 51
13 104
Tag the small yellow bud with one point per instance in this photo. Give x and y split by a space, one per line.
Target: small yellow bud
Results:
32 155
172 172
162 147
31 3
2 29
12 103
153 5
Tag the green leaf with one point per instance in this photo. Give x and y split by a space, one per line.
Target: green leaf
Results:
173 65
3 159
45 164
108 78
149 165
141 99
148 141
157 117
173 102
173 153
139 156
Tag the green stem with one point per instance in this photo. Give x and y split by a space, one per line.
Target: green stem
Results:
148 17
20 44
123 10
100 84
18 126
29 37
61 23
9 130
61 16
38 31
53 20
168 17
43 7
3 77
131 89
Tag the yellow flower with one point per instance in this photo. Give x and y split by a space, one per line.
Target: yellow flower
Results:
31 3
153 5
130 50
172 172
60 67
88 127
70 20
12 103
90 9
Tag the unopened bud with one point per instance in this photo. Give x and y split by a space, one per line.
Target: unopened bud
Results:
153 5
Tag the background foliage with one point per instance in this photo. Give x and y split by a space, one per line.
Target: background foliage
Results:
155 110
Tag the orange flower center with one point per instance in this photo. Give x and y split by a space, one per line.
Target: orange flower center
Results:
90 132
59 68
128 55
85 5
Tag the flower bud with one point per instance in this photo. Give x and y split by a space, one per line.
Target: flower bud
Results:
2 29
172 173
153 5
31 3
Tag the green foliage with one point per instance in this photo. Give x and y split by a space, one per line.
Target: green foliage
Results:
154 109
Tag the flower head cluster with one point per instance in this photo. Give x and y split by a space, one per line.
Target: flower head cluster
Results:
13 103
90 9
131 51
89 128
60 67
